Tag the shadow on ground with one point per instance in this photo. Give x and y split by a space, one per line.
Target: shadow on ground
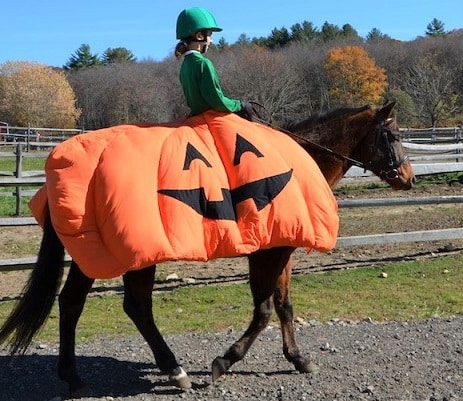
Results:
34 378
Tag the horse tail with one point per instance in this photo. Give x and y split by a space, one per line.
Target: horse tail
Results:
38 295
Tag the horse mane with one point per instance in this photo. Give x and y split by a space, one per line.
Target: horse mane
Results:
317 119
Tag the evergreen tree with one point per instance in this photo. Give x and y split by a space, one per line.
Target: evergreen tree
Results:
279 37
435 28
303 32
117 55
330 32
243 40
348 31
222 44
376 34
82 58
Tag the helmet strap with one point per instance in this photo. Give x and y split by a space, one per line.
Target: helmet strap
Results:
204 37
202 41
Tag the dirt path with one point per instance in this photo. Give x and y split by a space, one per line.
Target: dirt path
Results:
408 361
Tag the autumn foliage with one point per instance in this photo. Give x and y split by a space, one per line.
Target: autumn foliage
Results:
353 77
35 95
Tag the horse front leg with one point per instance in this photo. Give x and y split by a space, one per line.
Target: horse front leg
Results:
71 303
138 304
284 310
265 267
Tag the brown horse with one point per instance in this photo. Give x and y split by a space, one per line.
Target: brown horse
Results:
367 137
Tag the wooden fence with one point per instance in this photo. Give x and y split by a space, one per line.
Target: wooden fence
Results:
34 138
427 158
371 239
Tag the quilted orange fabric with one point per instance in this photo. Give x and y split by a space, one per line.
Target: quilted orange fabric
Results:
216 185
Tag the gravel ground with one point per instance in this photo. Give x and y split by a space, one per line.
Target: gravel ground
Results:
396 361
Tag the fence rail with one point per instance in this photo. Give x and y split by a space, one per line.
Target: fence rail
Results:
371 239
432 135
34 138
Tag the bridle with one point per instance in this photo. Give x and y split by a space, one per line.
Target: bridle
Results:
383 134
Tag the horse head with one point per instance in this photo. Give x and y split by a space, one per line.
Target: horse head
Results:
384 155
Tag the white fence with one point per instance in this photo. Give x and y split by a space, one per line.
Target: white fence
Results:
431 151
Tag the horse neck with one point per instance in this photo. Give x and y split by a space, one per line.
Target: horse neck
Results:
342 138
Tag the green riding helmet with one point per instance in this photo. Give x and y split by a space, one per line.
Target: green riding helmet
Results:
195 19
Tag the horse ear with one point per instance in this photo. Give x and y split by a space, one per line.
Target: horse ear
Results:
385 112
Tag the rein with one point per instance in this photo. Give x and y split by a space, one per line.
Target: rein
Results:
324 148
258 118
382 134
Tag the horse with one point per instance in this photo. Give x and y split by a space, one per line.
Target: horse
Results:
367 137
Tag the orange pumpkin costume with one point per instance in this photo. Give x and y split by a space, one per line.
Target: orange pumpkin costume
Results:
126 197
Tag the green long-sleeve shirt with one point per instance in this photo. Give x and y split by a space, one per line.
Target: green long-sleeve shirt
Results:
201 86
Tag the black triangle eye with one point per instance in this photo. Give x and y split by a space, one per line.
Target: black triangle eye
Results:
191 154
242 146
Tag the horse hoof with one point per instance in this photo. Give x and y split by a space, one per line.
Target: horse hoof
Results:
219 367
181 380
307 367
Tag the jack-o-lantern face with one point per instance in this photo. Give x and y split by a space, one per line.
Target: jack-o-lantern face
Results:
261 191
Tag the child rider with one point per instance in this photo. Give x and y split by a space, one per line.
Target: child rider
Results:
198 76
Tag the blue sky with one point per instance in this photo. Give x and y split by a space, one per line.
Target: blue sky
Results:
49 32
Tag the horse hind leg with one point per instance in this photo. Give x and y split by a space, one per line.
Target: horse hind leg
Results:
138 287
284 310
265 267
71 303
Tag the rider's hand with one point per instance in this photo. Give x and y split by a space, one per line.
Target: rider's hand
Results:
247 110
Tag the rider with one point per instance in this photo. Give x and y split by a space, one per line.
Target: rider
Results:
198 75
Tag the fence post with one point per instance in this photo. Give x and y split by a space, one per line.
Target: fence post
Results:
28 138
18 174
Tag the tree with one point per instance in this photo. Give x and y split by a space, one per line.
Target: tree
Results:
117 55
435 28
349 32
303 32
261 75
375 34
404 107
37 95
83 58
432 84
279 38
122 93
243 40
222 44
330 32
353 77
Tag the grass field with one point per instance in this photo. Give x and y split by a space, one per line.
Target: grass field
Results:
8 203
411 290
